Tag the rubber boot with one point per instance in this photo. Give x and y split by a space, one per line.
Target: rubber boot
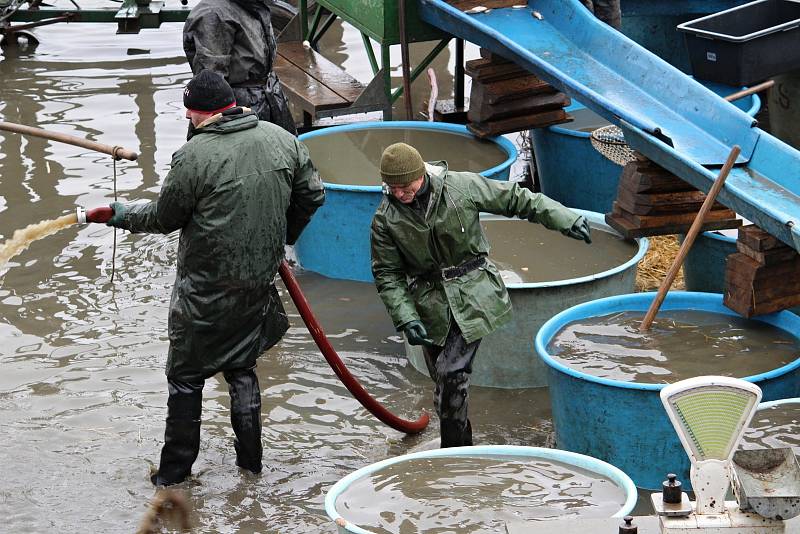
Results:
246 418
182 433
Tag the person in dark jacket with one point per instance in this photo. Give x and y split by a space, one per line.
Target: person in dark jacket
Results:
609 11
432 271
234 38
237 191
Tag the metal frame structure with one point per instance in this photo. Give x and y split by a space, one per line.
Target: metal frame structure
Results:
313 30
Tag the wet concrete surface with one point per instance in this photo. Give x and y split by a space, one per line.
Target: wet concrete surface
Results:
82 387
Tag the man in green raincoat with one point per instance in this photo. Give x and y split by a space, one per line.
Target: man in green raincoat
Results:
429 260
238 191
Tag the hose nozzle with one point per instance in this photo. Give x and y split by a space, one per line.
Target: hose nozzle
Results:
96 215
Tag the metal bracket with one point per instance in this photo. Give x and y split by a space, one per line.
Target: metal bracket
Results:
372 98
135 15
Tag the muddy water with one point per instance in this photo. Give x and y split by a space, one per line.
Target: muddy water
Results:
23 238
774 427
82 387
474 494
353 158
681 344
531 253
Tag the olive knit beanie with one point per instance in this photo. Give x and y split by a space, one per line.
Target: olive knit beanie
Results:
401 164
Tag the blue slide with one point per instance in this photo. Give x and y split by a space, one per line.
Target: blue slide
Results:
664 114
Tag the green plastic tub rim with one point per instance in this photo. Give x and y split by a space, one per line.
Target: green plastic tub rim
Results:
570 458
675 300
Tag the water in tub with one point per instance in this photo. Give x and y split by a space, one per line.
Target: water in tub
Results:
774 427
475 494
365 146
681 344
530 253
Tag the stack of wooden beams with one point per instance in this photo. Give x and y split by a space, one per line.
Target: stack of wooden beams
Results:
763 276
506 98
653 201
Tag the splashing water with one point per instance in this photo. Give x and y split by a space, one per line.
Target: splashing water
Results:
24 237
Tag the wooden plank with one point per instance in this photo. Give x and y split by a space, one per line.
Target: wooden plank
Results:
761 297
769 257
757 239
631 231
654 221
322 70
757 271
510 89
484 71
741 301
465 5
526 106
491 56
311 96
516 124
628 202
651 179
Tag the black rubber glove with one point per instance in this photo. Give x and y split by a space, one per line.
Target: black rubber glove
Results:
580 230
416 334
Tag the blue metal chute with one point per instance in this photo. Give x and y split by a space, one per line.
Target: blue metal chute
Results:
666 115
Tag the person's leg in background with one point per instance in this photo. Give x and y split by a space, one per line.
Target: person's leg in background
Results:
246 417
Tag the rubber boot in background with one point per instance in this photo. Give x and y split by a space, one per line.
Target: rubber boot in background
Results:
246 418
182 433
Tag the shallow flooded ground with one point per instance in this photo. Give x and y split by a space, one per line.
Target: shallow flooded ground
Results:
82 388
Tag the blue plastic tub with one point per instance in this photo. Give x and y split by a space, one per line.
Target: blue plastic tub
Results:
504 358
578 460
574 173
336 241
624 423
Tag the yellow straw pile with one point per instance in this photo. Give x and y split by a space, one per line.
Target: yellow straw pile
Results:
653 268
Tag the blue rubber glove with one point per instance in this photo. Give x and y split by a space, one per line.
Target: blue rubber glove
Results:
580 230
416 334
119 215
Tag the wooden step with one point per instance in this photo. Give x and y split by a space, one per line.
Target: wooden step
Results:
763 276
315 83
517 124
520 107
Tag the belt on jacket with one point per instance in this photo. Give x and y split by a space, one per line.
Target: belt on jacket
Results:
451 273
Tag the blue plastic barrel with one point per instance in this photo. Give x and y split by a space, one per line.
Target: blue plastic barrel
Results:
574 173
500 451
624 423
704 266
505 359
336 241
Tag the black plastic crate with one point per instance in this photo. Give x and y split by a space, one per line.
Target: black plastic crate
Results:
746 44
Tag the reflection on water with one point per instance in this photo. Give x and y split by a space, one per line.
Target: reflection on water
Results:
82 389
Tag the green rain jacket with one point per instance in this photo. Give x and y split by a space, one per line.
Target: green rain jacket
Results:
237 191
407 249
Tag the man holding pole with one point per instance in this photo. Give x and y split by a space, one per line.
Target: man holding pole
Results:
429 260
238 191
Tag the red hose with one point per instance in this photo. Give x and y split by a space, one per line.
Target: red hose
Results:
352 385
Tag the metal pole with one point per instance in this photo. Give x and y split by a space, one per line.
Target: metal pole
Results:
401 7
459 75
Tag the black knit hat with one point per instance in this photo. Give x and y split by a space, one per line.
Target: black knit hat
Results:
208 92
